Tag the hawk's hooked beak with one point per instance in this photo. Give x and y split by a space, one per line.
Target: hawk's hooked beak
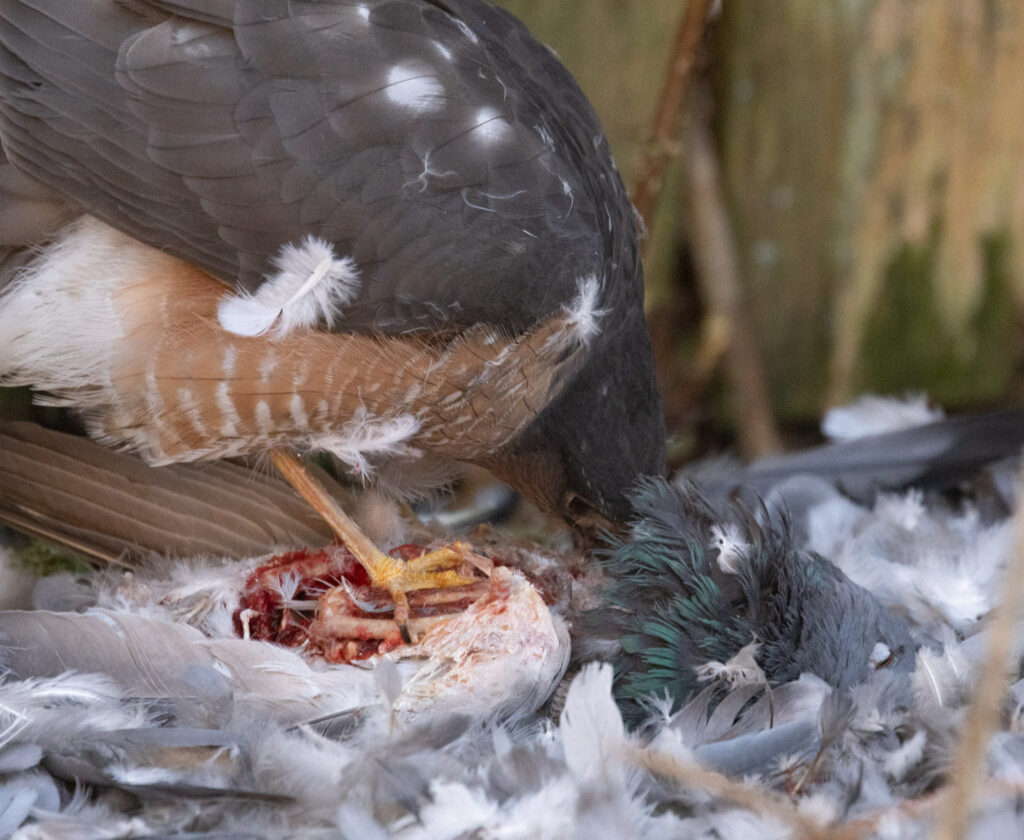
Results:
589 526
538 474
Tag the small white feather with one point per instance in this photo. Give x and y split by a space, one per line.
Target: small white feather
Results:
309 289
454 811
366 437
741 669
941 678
874 415
582 316
732 550
593 734
549 813
244 314
897 763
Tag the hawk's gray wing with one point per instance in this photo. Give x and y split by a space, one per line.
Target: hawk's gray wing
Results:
416 136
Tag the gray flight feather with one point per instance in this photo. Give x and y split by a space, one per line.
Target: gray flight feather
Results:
936 455
164 661
108 505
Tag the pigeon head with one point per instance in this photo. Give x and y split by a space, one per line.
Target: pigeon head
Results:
692 587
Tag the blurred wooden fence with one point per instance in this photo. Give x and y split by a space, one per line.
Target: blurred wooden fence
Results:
872 157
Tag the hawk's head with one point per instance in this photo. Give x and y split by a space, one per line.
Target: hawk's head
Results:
582 457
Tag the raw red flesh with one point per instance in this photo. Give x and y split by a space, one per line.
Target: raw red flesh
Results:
353 622
314 572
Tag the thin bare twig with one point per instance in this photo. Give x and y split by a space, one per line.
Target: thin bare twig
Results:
663 146
38 524
760 801
983 715
903 810
728 329
770 804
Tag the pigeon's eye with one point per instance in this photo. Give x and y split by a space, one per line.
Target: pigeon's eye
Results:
881 656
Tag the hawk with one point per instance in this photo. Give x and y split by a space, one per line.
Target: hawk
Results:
391 230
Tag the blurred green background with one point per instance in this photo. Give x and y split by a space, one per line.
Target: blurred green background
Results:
870 155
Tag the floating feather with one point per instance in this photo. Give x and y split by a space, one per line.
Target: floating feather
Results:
308 290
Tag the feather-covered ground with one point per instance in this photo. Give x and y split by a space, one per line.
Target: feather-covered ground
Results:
132 709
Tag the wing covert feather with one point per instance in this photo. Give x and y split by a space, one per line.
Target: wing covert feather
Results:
414 136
